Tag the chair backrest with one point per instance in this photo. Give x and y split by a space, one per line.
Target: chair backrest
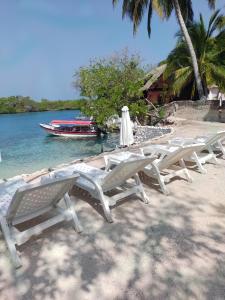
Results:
125 170
31 200
215 138
177 155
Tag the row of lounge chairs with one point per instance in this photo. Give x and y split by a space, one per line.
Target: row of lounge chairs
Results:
21 201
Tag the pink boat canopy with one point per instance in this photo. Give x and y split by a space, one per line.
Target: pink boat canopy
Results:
73 122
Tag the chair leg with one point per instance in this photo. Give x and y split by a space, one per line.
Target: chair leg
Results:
162 185
186 173
105 206
221 147
72 211
199 164
144 197
188 176
182 163
213 155
161 180
215 159
10 243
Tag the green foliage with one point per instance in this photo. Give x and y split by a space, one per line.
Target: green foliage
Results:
109 84
60 105
210 51
162 112
135 10
19 104
139 109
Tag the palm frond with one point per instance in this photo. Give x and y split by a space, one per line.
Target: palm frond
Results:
212 3
221 23
156 5
149 18
125 7
216 75
167 8
182 78
137 10
215 23
114 2
187 11
221 35
210 52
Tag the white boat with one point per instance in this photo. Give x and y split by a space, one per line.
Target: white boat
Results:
72 128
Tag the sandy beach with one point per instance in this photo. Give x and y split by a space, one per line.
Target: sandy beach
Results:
172 248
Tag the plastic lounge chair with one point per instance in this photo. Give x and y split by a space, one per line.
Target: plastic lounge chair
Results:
98 182
216 147
165 167
23 202
206 153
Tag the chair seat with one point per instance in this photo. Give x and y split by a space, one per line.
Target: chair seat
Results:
179 141
81 167
121 156
90 171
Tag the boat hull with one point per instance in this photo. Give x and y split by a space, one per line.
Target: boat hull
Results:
52 130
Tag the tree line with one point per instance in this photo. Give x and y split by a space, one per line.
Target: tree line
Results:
20 104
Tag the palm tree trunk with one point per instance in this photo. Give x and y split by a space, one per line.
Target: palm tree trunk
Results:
191 49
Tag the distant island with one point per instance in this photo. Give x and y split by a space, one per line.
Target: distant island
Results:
20 104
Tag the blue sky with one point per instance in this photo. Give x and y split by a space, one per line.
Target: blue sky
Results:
43 42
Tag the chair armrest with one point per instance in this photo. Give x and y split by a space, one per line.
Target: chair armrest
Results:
115 159
161 150
95 182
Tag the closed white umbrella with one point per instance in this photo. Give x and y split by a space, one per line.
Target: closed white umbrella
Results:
126 131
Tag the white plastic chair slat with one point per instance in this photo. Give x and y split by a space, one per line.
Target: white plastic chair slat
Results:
31 201
29 198
124 170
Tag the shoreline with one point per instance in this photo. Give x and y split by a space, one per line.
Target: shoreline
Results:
40 111
34 175
179 128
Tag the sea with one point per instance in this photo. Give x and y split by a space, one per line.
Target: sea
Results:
26 148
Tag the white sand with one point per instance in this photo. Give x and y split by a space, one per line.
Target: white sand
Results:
172 248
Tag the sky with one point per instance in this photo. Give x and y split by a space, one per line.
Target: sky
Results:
43 42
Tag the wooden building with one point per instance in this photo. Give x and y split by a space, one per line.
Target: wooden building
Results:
156 88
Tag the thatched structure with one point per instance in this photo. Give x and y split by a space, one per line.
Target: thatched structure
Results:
153 76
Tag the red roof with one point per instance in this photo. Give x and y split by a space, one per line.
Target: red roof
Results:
73 122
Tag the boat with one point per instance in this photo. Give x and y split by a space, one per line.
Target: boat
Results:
78 128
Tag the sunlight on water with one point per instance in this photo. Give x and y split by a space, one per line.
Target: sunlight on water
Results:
26 148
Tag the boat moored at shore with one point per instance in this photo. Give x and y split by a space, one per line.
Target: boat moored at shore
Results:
82 128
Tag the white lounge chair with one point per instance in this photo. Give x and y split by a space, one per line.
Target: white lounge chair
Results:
206 153
165 167
98 182
219 145
20 202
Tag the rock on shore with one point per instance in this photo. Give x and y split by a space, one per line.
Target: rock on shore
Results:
145 133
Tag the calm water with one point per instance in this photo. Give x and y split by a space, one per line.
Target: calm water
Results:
26 148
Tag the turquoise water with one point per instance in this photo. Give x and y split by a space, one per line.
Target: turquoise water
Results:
26 148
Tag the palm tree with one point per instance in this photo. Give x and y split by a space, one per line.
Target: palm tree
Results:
210 52
135 10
